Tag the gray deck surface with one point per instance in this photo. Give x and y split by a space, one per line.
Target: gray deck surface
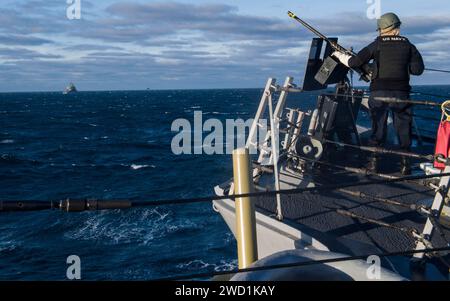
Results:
316 212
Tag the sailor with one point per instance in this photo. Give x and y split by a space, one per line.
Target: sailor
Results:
395 58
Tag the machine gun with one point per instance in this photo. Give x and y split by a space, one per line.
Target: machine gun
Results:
364 71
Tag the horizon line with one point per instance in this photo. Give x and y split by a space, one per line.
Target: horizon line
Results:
180 89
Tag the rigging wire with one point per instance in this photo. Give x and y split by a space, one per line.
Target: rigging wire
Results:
90 204
332 93
380 150
437 70
362 195
395 100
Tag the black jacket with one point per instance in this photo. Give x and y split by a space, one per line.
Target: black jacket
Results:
394 59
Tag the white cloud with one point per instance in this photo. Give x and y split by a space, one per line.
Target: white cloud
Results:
201 45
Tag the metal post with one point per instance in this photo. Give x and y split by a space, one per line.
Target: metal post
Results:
274 130
298 128
252 141
291 128
245 209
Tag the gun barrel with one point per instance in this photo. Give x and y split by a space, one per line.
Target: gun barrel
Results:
364 71
304 23
317 33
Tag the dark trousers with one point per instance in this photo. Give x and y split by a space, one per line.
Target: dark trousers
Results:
403 118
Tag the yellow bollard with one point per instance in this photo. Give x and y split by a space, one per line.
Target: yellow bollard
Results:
245 209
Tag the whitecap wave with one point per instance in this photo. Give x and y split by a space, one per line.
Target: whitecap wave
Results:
8 246
221 266
136 227
7 141
137 166
219 113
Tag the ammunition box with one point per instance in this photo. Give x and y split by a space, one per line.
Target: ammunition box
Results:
331 72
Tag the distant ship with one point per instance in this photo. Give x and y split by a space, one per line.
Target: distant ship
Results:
70 89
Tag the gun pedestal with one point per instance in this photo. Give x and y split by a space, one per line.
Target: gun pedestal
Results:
349 103
337 113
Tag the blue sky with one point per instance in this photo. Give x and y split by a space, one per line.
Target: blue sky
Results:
181 44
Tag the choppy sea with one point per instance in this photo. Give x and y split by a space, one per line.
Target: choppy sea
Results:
117 145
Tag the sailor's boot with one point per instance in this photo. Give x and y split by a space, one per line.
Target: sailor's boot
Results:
372 166
405 166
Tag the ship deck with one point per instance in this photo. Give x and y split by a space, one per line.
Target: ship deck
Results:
317 213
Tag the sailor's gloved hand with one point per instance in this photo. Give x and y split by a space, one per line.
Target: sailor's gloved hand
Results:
342 57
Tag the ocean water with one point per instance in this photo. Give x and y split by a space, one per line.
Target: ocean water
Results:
117 145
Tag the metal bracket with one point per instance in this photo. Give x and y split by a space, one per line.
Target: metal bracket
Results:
436 210
269 149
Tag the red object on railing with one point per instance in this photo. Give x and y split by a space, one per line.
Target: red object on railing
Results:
443 143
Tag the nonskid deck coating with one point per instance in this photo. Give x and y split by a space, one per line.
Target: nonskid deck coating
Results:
317 212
